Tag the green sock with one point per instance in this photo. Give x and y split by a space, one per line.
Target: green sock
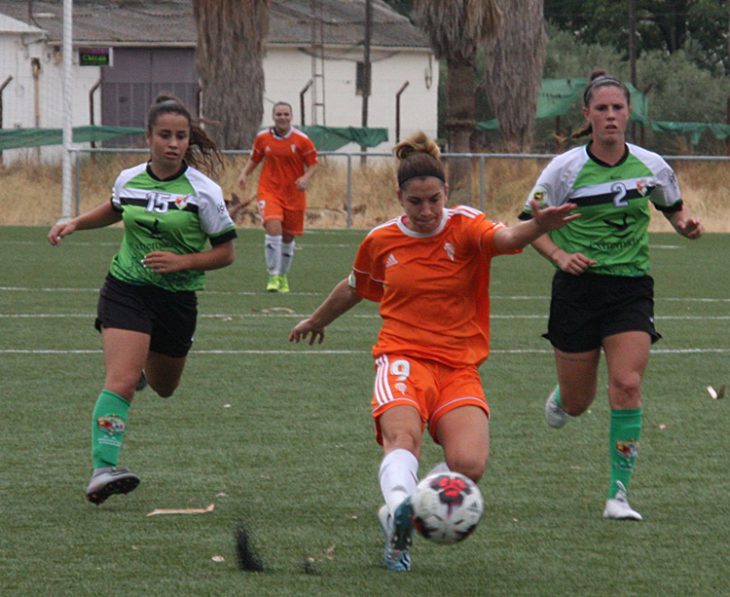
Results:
108 423
557 396
624 446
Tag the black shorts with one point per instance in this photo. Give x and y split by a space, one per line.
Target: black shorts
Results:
585 309
169 318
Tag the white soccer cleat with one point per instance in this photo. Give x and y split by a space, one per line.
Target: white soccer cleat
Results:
555 416
618 508
397 560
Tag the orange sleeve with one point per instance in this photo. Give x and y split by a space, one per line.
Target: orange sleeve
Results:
367 273
257 151
309 151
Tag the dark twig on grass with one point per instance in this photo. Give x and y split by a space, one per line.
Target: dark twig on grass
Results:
248 559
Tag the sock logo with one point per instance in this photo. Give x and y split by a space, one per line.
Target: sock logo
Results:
627 451
111 424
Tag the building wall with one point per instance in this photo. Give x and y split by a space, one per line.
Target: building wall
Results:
37 102
288 71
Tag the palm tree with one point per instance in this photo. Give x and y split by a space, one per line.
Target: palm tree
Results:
456 29
229 58
514 64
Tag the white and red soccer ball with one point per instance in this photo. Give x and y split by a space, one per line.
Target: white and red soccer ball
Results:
447 507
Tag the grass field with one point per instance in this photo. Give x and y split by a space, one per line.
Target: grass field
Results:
280 436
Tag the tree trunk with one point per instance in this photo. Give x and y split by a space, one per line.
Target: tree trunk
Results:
515 59
460 123
229 58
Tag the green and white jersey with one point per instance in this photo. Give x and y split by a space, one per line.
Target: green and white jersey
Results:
180 215
613 202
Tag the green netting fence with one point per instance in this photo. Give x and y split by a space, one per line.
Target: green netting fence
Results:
324 138
558 97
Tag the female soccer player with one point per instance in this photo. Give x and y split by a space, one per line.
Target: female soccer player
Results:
290 160
429 270
147 306
602 295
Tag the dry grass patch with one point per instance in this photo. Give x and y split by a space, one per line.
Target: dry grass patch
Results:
30 195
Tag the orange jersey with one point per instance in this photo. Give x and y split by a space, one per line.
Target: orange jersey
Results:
284 162
433 289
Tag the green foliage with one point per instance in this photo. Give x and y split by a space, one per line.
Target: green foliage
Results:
699 27
280 436
679 91
676 88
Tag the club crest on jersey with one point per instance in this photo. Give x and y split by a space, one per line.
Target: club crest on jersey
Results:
641 187
450 251
181 201
293 148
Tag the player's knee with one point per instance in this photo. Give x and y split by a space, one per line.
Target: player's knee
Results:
625 390
471 465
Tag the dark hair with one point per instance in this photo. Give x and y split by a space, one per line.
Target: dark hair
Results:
600 78
418 157
202 153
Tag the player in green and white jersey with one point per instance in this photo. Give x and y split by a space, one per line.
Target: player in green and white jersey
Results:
147 308
602 293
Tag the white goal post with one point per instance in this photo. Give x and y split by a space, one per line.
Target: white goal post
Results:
66 178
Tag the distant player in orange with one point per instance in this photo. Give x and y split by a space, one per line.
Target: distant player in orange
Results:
429 270
290 160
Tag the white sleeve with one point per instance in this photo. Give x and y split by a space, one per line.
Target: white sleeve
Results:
212 211
667 191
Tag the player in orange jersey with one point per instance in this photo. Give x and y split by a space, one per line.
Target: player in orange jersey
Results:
429 270
290 160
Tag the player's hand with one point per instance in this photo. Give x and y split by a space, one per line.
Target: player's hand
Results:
307 328
163 262
690 228
552 218
572 263
302 183
242 181
59 230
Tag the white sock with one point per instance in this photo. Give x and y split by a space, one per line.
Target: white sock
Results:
272 254
441 467
287 256
398 477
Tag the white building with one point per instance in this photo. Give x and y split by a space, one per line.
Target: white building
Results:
314 56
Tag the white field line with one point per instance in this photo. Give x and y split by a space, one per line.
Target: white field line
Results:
326 352
256 315
323 294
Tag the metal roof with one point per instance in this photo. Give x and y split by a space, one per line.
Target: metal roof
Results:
171 22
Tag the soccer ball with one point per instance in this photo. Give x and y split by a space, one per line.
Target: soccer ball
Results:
447 507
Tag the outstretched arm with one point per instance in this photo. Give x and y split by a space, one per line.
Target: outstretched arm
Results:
340 300
104 215
543 220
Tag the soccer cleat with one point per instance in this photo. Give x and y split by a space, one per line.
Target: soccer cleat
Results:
283 283
617 508
397 560
403 525
108 481
555 416
273 284
141 383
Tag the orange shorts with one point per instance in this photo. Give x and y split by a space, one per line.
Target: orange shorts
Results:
274 208
432 388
